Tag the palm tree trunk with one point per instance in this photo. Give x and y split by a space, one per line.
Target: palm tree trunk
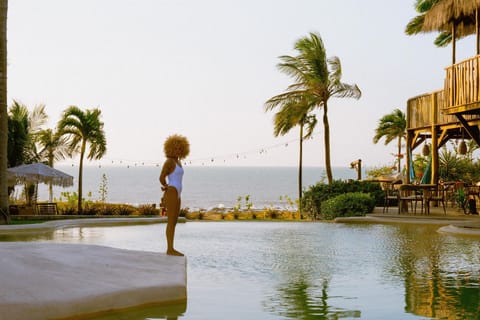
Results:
4 216
399 153
326 130
80 176
50 185
300 166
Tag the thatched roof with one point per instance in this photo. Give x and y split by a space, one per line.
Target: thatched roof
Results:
445 13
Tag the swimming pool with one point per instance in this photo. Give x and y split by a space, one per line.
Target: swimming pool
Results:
299 270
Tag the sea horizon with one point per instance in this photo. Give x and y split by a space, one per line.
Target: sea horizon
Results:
204 187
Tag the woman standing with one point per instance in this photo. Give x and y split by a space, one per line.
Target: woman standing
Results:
176 148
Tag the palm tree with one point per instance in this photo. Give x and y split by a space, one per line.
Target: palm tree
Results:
3 112
290 115
82 128
23 129
53 147
317 79
392 126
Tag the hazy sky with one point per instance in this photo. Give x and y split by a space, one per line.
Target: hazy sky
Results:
205 68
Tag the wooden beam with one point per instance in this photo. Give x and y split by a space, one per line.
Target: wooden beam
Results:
444 137
473 132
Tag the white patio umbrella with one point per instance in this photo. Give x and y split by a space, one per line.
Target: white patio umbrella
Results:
39 172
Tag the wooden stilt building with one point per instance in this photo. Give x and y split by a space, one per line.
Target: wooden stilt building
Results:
454 111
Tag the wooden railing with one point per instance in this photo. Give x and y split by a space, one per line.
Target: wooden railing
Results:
425 110
462 87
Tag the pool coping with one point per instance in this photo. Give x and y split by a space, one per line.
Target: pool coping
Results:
453 225
59 280
83 222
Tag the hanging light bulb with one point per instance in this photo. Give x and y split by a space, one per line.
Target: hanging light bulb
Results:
425 150
462 148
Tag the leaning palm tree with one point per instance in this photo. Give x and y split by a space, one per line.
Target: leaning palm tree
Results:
317 79
293 114
83 128
3 113
53 147
392 126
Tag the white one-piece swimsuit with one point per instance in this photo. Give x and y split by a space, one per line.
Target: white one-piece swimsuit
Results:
175 179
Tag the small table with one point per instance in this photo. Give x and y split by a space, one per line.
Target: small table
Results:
425 189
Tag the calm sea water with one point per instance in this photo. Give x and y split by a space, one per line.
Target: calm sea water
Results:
306 270
204 187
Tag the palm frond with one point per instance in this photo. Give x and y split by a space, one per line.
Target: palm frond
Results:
414 26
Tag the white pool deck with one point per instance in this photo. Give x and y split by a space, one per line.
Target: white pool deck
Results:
54 280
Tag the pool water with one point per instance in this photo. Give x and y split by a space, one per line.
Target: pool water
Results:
299 270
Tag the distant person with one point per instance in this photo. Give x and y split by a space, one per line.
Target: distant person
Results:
176 148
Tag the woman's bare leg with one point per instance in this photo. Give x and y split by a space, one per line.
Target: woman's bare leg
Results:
173 211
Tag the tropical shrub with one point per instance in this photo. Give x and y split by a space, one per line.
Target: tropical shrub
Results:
148 210
316 194
347 205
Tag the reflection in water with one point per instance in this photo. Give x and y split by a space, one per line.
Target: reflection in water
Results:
302 300
27 236
166 312
441 281
250 270
304 268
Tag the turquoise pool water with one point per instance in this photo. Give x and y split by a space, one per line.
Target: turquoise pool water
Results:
283 270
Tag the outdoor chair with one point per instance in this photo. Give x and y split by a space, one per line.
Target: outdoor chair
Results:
436 195
391 192
410 194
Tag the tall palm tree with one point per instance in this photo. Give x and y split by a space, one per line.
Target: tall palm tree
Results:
392 126
3 113
83 128
293 114
53 147
317 79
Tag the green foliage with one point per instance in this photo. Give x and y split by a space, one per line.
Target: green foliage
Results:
248 204
103 189
347 205
314 196
122 209
454 167
461 199
380 171
148 210
289 203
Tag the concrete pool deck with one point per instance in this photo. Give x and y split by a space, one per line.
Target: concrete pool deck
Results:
55 280
453 222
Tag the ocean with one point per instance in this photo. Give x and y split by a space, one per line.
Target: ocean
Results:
203 187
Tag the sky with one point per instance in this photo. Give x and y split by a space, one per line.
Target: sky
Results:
204 69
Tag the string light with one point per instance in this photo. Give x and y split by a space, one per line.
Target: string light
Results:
202 161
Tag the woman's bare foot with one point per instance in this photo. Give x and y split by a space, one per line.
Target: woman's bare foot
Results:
174 253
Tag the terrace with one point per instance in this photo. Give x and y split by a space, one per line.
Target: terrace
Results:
454 111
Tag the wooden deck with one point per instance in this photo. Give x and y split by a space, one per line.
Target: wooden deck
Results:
450 113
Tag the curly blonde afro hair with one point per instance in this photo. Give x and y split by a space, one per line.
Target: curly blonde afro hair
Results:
176 146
